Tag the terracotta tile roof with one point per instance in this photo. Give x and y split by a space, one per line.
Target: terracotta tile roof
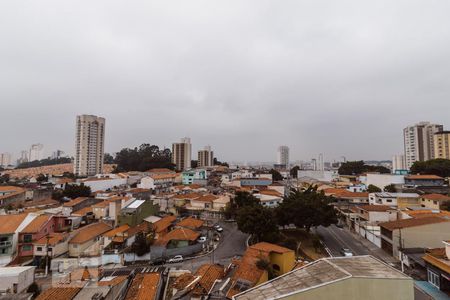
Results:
164 223
138 190
191 223
11 188
187 196
375 208
36 224
9 223
163 176
75 201
59 293
437 258
206 198
405 223
54 238
144 287
64 180
428 213
268 247
101 204
208 275
143 227
423 177
115 231
83 211
271 193
435 197
89 232
178 234
113 281
183 281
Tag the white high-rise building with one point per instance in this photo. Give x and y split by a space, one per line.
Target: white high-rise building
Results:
398 163
5 159
36 152
419 142
206 157
90 145
283 156
181 154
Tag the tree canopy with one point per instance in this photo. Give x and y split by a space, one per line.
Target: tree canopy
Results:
294 171
258 221
439 167
373 189
44 162
74 191
359 167
143 158
306 209
276 176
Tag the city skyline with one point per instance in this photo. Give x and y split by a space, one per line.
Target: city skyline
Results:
321 78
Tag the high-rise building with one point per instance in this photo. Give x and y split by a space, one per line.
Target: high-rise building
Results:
181 154
57 154
283 156
90 145
5 159
205 157
419 143
23 156
442 144
35 152
398 163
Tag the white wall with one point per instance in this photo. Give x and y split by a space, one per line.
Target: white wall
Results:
382 180
103 185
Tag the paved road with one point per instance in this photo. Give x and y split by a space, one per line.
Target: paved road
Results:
232 243
336 238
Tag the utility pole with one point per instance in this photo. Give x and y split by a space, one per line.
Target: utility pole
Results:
46 255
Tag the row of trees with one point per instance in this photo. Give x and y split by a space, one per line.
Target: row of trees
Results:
143 158
44 162
439 167
359 167
305 209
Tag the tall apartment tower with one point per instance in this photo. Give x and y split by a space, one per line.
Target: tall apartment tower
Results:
283 156
181 154
205 157
419 142
442 144
398 163
5 159
36 152
90 145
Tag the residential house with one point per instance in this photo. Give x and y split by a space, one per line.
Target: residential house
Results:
139 193
163 226
11 194
400 200
86 237
191 223
117 235
77 204
101 210
426 232
438 267
434 201
248 274
16 280
108 288
177 238
54 244
424 180
158 182
269 198
135 211
10 226
195 176
41 226
352 278
146 286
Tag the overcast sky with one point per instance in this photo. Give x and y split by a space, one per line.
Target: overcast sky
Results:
332 77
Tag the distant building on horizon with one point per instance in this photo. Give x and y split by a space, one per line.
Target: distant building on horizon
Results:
442 144
283 156
35 152
181 154
419 142
205 157
57 154
89 146
398 163
5 159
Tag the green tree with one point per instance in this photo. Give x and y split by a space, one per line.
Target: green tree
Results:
373 189
359 167
140 245
306 209
4 178
143 158
108 158
44 162
439 167
294 171
390 188
258 221
276 176
74 191
245 199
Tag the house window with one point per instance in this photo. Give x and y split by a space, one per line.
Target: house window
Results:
27 248
39 248
433 278
27 238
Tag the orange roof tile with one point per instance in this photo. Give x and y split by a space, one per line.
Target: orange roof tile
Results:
405 223
163 176
117 230
375 208
101 204
74 201
144 287
178 234
206 198
53 239
191 223
418 176
437 258
10 223
89 232
268 247
113 282
187 196
271 193
36 224
435 197
164 223
208 275
59 293
83 211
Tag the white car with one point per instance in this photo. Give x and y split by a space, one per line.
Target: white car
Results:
219 229
201 239
175 259
346 252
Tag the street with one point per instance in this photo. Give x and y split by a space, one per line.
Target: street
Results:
336 238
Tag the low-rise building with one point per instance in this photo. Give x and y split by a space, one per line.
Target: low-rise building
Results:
11 195
438 267
352 278
424 180
195 176
434 201
77 204
53 245
135 211
400 200
15 280
86 237
104 182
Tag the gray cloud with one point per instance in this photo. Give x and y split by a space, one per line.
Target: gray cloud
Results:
337 77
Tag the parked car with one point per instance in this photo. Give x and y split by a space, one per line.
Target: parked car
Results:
175 259
346 252
219 229
201 239
216 226
158 261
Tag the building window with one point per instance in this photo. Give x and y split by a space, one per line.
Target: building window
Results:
27 238
38 248
27 248
433 278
